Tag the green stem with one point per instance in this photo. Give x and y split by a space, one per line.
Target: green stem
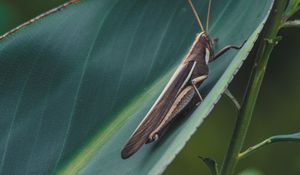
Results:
254 148
293 23
258 71
274 139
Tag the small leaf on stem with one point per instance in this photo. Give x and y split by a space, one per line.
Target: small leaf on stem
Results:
211 164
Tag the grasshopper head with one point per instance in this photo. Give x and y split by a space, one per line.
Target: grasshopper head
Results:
208 45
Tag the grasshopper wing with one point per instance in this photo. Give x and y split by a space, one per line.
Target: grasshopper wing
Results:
159 110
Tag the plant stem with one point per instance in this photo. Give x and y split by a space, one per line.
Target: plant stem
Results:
293 23
295 137
258 71
254 148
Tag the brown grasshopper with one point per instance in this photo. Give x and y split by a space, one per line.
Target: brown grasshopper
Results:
180 91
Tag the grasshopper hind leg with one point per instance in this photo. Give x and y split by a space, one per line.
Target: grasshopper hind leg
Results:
182 101
154 138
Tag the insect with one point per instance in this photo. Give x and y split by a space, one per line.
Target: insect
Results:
180 92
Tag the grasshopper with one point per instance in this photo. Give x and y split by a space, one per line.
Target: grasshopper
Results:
180 92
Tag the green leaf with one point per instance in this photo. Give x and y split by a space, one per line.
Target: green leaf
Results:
286 138
75 84
211 164
274 139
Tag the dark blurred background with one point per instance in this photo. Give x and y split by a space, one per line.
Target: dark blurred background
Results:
277 110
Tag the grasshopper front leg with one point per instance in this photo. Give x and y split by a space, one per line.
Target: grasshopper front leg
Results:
226 48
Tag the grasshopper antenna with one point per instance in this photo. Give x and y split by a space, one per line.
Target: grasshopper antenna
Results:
196 15
208 15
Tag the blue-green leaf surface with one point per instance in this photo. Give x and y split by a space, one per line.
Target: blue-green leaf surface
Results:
75 84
